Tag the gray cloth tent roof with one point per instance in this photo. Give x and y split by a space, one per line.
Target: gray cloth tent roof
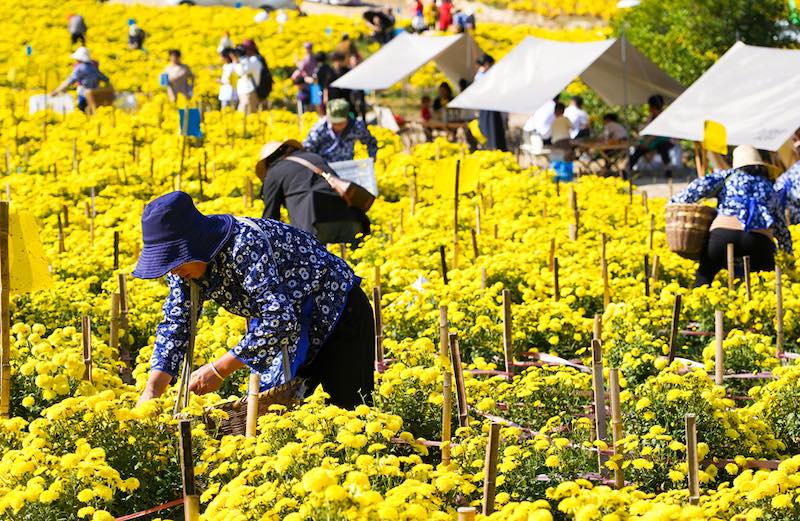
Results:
536 70
454 55
753 91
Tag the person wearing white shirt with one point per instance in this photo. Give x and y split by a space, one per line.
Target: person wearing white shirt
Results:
542 120
578 117
248 69
612 129
227 94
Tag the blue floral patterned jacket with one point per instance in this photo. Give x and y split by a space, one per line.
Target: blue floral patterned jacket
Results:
788 188
281 278
750 198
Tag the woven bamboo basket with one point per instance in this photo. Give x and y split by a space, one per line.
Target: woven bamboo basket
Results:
687 227
236 410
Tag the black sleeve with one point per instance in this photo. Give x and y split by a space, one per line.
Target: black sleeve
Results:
274 198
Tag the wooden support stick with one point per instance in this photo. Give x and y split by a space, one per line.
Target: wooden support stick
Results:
444 334
443 260
508 345
182 398
552 253
597 330
647 277
652 228
719 335
61 247
5 315
604 273
116 250
673 332
343 250
466 513
616 424
644 202
778 311
65 211
191 501
250 192
573 198
86 330
483 277
124 352
573 232
253 388
556 289
691 457
447 410
654 270
747 287
599 399
490 468
474 243
458 373
113 326
91 223
455 216
477 219
626 216
379 356
729 252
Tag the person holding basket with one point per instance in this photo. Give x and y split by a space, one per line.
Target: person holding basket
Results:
749 214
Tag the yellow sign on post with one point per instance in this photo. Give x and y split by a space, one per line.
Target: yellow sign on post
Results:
444 184
715 137
27 265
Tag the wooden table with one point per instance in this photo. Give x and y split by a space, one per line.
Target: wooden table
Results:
604 154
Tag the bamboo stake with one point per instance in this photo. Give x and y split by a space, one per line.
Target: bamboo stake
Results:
673 332
483 277
691 457
61 248
556 289
379 356
466 513
250 192
597 330
412 192
552 253
647 277
626 215
182 398
490 468
116 250
729 251
123 325
253 388
5 315
477 219
652 228
443 260
65 211
604 273
644 202
599 399
86 330
573 232
458 373
719 335
191 501
746 265
474 236
616 425
778 311
654 270
508 343
113 329
455 216
343 251
447 409
444 334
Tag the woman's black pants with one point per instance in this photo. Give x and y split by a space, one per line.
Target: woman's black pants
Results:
345 364
758 246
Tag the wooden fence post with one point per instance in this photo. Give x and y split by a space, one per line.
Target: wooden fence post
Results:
508 345
490 468
253 389
719 335
5 315
191 501
691 457
616 424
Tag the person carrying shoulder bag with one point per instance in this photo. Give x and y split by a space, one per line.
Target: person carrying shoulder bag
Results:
317 201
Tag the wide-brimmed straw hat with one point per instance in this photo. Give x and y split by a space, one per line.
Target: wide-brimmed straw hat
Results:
272 151
747 155
81 54
175 232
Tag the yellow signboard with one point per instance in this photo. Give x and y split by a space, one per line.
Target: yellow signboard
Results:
27 264
445 181
715 137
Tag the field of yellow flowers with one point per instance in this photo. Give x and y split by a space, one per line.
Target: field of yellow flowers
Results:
74 449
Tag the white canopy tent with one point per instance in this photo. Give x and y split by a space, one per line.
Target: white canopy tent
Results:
536 70
454 55
753 91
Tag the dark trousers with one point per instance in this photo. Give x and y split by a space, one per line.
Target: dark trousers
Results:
345 364
77 36
758 246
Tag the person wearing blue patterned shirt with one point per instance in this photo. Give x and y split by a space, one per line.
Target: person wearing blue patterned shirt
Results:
302 302
788 188
334 136
748 215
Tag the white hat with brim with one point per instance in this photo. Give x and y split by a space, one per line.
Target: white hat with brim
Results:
81 54
747 155
269 153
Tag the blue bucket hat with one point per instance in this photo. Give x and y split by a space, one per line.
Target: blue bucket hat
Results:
175 232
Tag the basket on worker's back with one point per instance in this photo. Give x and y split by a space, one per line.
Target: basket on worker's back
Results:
687 228
99 97
236 410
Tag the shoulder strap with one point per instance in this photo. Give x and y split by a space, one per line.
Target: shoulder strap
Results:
311 166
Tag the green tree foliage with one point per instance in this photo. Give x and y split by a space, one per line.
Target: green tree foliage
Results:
685 37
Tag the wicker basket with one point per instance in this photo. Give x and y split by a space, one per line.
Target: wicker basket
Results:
236 421
687 228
